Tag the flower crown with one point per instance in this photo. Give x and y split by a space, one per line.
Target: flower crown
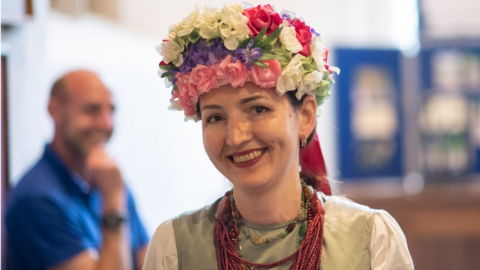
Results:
233 45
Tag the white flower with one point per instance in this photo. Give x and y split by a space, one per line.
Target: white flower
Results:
191 117
309 83
290 14
160 72
294 78
235 7
234 28
175 105
318 52
173 30
168 83
188 24
171 51
334 69
291 76
288 37
209 23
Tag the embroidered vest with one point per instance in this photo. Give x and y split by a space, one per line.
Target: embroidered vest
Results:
347 235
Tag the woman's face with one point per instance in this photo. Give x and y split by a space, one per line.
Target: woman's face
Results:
251 135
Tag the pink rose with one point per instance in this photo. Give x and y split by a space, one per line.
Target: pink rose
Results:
187 105
234 73
261 16
266 77
304 36
186 94
204 78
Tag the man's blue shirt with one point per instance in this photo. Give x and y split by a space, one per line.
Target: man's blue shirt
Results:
51 217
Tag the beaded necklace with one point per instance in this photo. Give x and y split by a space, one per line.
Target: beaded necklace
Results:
237 225
307 257
258 240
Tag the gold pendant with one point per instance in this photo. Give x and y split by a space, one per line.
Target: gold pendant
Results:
257 239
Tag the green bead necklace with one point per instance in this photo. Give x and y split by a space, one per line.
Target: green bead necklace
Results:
238 226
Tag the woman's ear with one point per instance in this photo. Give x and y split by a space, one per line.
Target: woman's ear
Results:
307 116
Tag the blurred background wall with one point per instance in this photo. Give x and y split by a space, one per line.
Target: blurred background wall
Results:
401 130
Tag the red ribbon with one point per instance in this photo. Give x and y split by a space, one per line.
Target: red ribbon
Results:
312 162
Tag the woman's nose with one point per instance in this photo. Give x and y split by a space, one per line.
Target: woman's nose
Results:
238 132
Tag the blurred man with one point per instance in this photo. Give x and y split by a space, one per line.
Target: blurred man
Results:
72 210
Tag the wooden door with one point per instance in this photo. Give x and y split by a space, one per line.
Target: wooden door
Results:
3 160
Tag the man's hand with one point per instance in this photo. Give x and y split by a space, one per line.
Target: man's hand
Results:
103 173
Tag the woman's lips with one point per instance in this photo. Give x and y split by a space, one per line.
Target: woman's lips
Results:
247 158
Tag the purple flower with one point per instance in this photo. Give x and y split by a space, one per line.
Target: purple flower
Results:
313 32
188 64
248 54
174 72
217 53
288 15
199 53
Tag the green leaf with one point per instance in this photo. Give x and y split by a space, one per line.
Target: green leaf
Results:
168 67
259 63
164 75
210 42
308 67
244 43
193 36
271 38
280 58
259 37
269 56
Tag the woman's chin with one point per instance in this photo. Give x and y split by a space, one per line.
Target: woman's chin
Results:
250 184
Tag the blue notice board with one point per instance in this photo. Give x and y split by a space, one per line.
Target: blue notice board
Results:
369 116
462 65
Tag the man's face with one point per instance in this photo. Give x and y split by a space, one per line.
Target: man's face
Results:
87 116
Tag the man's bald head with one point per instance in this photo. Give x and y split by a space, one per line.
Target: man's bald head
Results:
82 108
74 81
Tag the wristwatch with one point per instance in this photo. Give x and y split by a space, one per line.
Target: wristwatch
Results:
114 219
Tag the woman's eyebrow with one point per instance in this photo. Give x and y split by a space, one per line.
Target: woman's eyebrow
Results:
211 107
249 99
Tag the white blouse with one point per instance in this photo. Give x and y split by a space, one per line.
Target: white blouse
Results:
388 247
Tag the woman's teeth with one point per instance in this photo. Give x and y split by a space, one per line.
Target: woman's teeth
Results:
247 157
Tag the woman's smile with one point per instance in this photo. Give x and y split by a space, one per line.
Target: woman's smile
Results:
247 158
246 155
250 135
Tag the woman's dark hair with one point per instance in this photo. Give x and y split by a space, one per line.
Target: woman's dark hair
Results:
311 179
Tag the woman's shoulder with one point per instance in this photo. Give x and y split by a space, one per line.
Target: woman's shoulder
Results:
162 250
205 214
338 207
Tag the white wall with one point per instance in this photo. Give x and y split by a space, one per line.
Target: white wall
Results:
162 157
25 47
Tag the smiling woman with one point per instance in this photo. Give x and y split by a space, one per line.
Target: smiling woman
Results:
255 78
251 136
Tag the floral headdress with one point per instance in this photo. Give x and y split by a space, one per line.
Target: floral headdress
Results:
233 45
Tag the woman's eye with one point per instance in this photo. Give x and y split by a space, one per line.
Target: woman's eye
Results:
214 119
260 110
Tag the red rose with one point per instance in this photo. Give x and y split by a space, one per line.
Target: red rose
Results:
261 16
304 36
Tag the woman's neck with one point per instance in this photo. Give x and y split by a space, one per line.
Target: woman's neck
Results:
273 205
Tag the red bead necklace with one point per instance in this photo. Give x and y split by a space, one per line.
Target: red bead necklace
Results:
307 257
